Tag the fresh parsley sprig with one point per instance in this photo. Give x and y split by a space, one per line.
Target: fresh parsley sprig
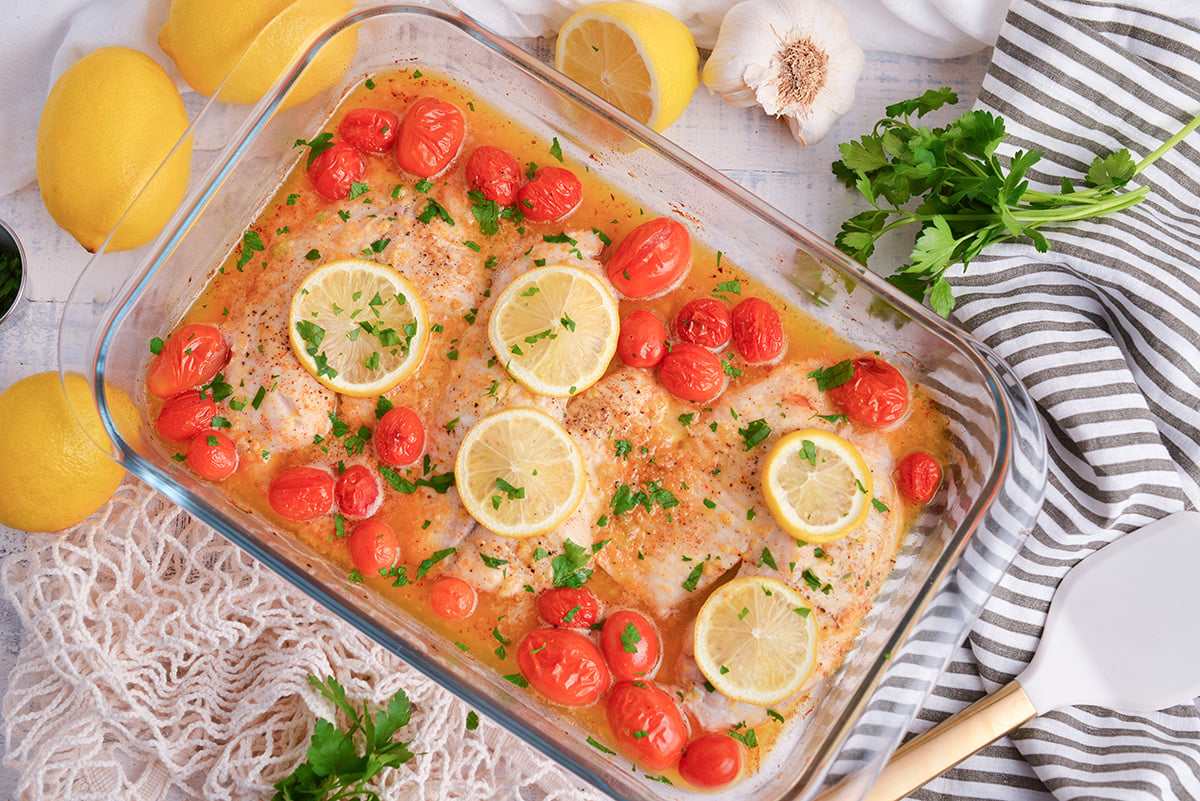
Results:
335 770
965 198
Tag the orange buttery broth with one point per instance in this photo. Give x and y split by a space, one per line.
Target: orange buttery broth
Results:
499 620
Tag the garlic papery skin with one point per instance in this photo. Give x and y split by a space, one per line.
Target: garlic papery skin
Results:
794 58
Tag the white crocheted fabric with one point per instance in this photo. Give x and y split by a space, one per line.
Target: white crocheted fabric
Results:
161 663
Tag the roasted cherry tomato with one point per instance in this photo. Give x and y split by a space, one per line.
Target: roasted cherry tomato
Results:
453 599
399 437
301 493
643 339
552 194
918 476
373 547
495 173
186 415
189 357
692 373
335 168
357 491
651 260
569 607
711 760
564 666
646 724
875 395
431 135
369 129
704 322
631 646
757 331
212 455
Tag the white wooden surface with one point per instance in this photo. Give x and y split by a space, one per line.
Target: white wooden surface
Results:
750 148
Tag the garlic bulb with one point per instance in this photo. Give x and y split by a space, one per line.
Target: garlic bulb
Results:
795 58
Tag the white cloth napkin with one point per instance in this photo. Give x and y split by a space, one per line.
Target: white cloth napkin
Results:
41 38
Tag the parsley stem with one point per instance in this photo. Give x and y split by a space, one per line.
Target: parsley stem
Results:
1167 145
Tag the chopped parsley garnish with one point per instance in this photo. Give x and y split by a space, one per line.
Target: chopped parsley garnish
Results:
435 209
630 637
251 244
754 432
829 377
316 147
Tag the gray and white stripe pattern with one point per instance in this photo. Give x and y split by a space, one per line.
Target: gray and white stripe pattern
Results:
1104 331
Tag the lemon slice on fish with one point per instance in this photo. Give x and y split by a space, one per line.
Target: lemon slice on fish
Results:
555 329
519 473
756 640
817 485
358 326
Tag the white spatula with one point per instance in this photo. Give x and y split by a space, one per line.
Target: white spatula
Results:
1119 635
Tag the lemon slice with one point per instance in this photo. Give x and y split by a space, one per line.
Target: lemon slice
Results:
817 485
519 473
359 327
637 57
756 640
555 329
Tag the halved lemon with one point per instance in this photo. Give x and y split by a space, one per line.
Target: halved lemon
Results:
817 485
555 329
358 326
519 473
639 58
756 640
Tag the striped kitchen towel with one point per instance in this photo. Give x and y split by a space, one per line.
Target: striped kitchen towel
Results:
1104 332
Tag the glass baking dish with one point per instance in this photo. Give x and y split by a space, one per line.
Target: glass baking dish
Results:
946 568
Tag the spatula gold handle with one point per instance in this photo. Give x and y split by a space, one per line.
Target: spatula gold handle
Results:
945 745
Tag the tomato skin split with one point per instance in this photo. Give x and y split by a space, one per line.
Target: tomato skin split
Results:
647 724
918 476
877 394
551 196
372 130
643 339
692 373
564 666
357 492
651 260
704 322
335 169
212 455
301 493
758 332
711 760
399 437
431 134
185 415
190 357
373 547
495 173
580 605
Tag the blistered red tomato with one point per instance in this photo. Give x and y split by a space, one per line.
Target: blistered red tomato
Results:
190 357
552 194
704 322
357 491
399 437
564 666
335 169
569 607
875 395
711 760
757 331
186 415
495 173
651 260
431 135
631 645
918 476
301 493
692 373
643 339
646 724
369 129
373 547
212 455
453 599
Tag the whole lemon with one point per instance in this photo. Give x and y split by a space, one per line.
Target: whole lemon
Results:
52 474
109 122
206 39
